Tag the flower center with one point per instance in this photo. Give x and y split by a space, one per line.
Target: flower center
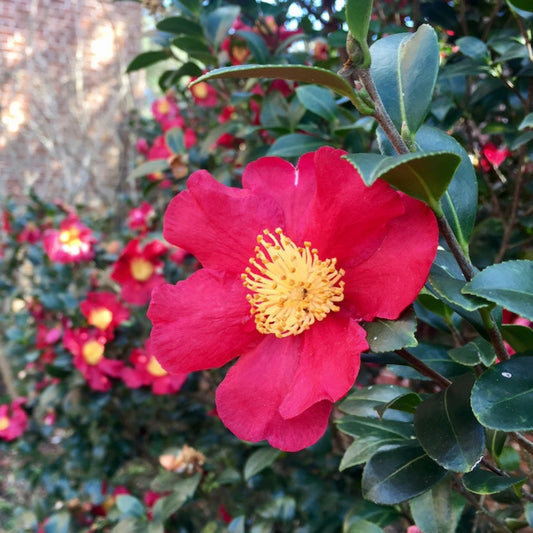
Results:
92 352
291 288
200 90
4 423
141 269
155 368
163 107
100 318
71 242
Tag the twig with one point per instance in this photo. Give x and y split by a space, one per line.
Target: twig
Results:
424 369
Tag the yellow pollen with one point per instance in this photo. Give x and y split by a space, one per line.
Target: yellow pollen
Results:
155 368
163 107
200 90
100 318
71 242
5 422
141 269
290 286
92 352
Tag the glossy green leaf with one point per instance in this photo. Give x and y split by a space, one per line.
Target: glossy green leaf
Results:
362 449
484 482
508 459
421 175
503 395
365 510
478 351
155 165
129 506
398 473
389 335
527 122
406 403
358 19
219 23
366 402
294 145
474 48
524 5
257 46
196 47
168 505
459 202
179 25
447 429
259 460
448 288
363 526
301 73
404 68
318 100
146 59
509 284
357 426
520 338
438 510
174 140
170 78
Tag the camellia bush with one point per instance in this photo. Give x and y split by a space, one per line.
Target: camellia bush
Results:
314 314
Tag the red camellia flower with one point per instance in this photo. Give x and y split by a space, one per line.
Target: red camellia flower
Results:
72 243
203 94
103 311
88 346
141 218
493 156
138 271
147 371
13 420
292 263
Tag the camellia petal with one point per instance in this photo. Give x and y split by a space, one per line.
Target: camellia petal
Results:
202 322
328 365
386 283
347 219
248 399
292 188
218 224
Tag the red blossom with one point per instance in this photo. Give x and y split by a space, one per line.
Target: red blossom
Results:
13 420
31 233
493 156
358 253
88 347
141 218
203 94
146 371
104 311
138 270
71 243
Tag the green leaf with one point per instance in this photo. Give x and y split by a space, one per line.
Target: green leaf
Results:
509 284
519 337
474 48
219 22
257 46
459 202
180 25
527 122
484 482
358 19
502 396
129 506
438 510
58 523
389 335
398 473
529 513
196 47
363 526
367 165
316 75
148 167
404 68
357 426
174 140
318 100
362 449
259 460
447 429
479 351
146 59
168 505
406 403
368 401
294 145
524 5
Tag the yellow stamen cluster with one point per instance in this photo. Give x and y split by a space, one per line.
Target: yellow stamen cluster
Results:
155 368
100 318
141 269
5 422
71 242
290 286
92 352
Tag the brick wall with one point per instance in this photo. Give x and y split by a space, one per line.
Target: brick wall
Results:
64 97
